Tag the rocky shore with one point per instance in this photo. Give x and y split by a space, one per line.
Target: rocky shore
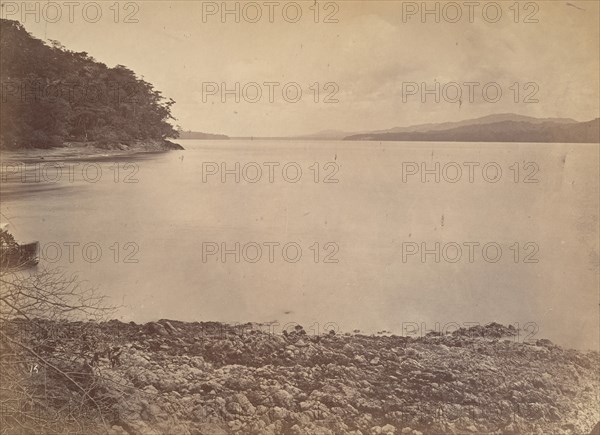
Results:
146 145
171 377
87 150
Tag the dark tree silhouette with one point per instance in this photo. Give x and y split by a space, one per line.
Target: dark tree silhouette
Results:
51 95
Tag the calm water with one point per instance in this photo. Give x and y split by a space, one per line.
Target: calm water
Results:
366 221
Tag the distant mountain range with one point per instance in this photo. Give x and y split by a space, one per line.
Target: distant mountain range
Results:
202 136
505 127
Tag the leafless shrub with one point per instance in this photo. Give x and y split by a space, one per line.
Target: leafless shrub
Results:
47 382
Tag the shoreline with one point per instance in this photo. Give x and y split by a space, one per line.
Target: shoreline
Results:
87 150
210 377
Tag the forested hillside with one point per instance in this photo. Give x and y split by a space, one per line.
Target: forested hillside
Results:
52 95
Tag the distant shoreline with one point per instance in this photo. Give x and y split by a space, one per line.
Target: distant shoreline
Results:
501 127
198 135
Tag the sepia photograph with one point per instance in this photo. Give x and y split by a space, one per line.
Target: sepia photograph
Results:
308 217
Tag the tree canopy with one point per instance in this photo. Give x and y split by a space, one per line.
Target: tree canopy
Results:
51 95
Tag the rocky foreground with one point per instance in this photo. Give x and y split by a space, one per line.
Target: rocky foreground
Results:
171 377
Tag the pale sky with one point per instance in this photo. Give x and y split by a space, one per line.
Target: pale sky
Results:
369 54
